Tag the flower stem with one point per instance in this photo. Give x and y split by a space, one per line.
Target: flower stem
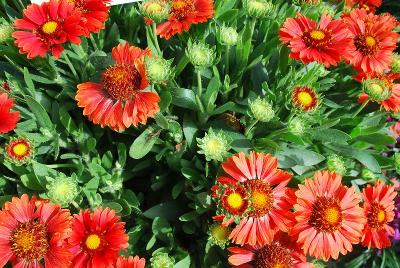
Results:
360 108
154 25
199 84
61 166
250 127
227 52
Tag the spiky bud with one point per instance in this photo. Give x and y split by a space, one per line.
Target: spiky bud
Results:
62 190
200 55
228 36
376 89
215 146
258 8
335 163
162 260
156 10
158 70
261 110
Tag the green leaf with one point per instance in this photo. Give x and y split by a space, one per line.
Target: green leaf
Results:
303 157
185 263
168 210
113 205
330 135
184 98
143 144
39 112
30 88
377 138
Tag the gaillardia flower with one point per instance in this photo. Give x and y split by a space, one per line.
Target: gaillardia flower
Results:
305 98
379 211
255 196
162 260
19 151
183 14
94 13
219 234
8 118
214 146
369 5
46 27
282 252
373 40
119 100
329 218
130 262
62 190
325 43
34 232
97 238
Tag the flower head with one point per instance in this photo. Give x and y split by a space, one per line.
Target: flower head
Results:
379 211
19 151
6 31
158 70
97 238
369 5
258 8
162 260
156 10
219 234
185 13
324 43
261 110
228 36
329 218
8 118
62 190
119 100
215 146
34 232
305 98
335 163
46 27
200 55
130 262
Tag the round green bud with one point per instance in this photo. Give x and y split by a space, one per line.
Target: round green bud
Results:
62 190
157 10
200 55
214 146
396 63
162 260
219 234
367 174
158 70
258 8
261 110
335 163
297 126
5 31
376 89
228 36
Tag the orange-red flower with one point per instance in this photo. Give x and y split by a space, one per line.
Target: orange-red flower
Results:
255 194
19 150
282 252
183 14
46 27
324 43
329 218
369 5
33 232
8 118
304 98
94 13
97 238
119 100
395 129
130 262
379 210
373 40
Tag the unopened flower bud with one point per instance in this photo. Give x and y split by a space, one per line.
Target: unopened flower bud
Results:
335 163
258 8
156 10
162 260
376 89
261 110
395 63
228 36
62 190
200 55
158 70
219 234
5 31
215 146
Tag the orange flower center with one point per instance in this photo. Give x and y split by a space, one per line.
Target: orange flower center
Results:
29 241
376 216
367 45
326 215
234 200
182 8
304 98
93 242
317 35
261 196
317 38
121 81
49 27
273 256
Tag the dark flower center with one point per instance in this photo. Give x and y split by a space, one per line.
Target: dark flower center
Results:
121 81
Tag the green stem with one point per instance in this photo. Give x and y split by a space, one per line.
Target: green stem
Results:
228 48
70 65
199 85
61 166
277 132
360 108
155 38
94 42
250 127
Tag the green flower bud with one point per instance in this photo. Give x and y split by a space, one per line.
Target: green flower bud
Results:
158 70
397 162
62 190
228 36
307 2
376 89
396 63
335 163
162 260
5 31
200 55
219 235
258 8
215 146
297 126
367 174
157 10
261 110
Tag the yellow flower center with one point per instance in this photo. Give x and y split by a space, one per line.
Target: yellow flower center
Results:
20 149
93 242
381 216
317 35
305 98
153 8
332 215
370 41
376 88
49 27
235 200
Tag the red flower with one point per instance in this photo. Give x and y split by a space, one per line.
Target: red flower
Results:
94 13
305 98
118 100
373 40
369 5
131 262
378 208
325 43
8 119
97 238
183 14
44 28
34 232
